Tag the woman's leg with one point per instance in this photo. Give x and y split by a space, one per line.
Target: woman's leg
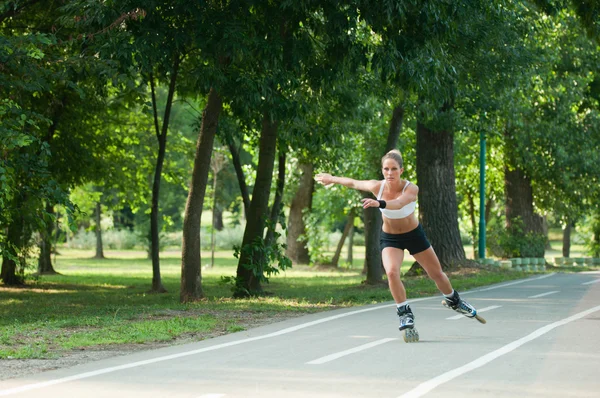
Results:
392 261
431 264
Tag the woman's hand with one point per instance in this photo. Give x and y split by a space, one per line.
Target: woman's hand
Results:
324 179
367 202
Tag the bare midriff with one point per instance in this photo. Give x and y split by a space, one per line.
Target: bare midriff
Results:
400 225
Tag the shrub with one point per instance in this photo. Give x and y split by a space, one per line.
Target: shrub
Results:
514 241
227 239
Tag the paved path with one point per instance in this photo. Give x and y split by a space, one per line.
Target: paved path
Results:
542 339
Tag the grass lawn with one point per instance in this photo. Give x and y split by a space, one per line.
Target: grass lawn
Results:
95 303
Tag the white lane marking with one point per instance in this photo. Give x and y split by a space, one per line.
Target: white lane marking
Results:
460 316
543 294
211 396
590 282
340 354
98 372
508 284
429 385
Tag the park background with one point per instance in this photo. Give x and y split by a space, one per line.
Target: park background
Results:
157 157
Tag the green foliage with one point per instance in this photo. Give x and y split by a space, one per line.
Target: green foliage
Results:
591 232
264 260
514 242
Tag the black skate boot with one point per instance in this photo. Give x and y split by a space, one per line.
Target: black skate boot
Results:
407 324
461 306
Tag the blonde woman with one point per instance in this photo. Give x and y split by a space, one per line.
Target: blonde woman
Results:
396 199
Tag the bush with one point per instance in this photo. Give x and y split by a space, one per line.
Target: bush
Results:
121 239
226 239
111 239
84 240
514 242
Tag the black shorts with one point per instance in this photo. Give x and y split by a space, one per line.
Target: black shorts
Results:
415 241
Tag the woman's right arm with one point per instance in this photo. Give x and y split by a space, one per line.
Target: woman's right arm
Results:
361 185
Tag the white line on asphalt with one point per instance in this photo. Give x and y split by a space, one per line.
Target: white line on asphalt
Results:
543 294
211 396
590 282
340 354
429 385
493 307
98 372
507 284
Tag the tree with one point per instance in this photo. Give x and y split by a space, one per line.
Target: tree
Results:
191 279
297 249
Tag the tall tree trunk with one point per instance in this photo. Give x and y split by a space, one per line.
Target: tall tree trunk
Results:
45 258
214 210
566 239
374 266
349 258
519 201
474 230
546 231
239 172
519 194
99 245
276 207
595 249
438 206
250 268
191 278
161 136
297 245
373 220
10 274
338 251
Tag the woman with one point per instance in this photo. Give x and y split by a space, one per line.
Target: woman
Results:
396 199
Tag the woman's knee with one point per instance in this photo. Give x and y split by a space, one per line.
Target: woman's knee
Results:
393 273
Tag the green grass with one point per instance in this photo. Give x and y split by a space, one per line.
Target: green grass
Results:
106 302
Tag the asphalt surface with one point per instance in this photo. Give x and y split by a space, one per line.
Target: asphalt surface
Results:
542 339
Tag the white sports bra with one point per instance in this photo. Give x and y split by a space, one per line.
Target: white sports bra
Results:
399 213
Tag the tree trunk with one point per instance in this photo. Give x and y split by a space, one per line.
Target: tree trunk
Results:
519 201
349 258
338 251
161 136
276 208
191 278
217 221
214 210
474 229
438 206
250 268
374 266
373 221
545 231
99 247
239 172
45 258
10 274
297 245
566 240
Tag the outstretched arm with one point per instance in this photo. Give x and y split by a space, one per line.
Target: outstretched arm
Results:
361 185
410 195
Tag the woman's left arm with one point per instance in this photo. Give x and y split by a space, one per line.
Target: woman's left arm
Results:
409 196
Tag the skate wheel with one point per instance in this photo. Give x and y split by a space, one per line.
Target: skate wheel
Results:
410 335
